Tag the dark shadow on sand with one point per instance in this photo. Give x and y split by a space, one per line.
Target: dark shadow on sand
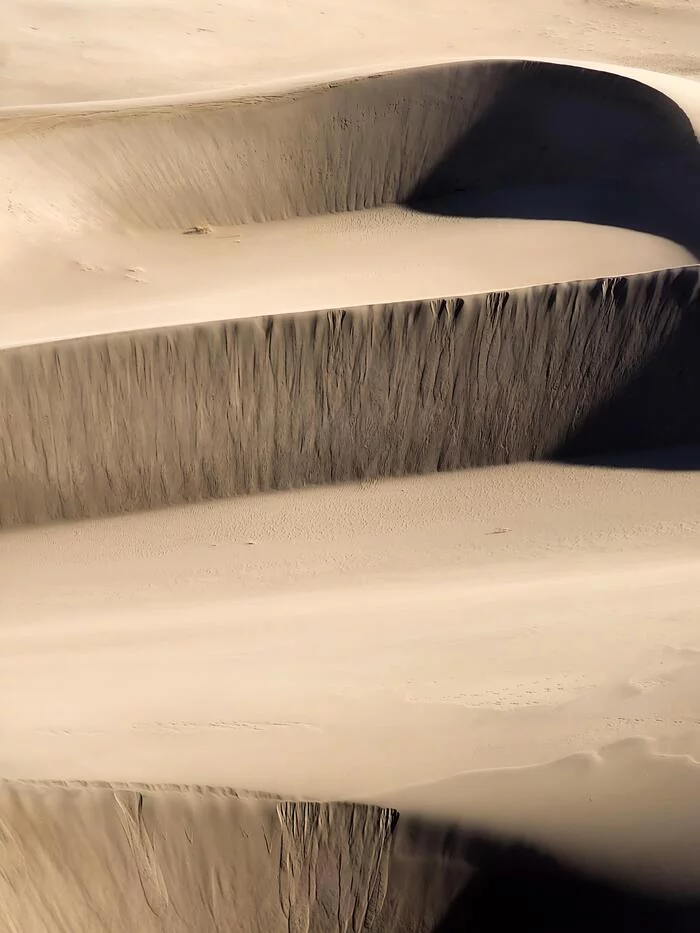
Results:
579 146
671 459
515 888
653 421
598 149
584 146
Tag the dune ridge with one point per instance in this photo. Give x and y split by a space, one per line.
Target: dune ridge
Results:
131 421
350 144
180 859
117 422
166 858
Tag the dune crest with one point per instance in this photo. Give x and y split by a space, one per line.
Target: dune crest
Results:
124 422
398 137
473 263
180 859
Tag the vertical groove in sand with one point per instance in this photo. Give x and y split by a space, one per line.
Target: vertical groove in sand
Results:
120 422
97 858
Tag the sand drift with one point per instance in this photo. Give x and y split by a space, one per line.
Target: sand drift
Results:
115 422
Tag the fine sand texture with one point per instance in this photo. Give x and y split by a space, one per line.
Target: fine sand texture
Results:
184 859
510 652
135 421
273 275
114 422
97 49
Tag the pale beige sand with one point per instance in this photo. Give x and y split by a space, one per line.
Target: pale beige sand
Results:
366 642
82 49
118 283
512 649
272 402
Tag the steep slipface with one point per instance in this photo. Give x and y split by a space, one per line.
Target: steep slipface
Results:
132 421
626 150
92 858
129 421
183 860
83 859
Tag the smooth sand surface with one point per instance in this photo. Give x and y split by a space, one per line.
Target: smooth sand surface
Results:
367 642
250 246
83 50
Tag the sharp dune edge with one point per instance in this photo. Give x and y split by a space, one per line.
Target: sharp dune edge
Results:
119 422
123 422
353 144
182 860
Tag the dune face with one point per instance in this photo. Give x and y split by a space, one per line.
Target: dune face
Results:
188 860
271 403
268 403
390 138
198 859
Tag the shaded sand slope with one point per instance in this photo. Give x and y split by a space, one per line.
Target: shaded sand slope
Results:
136 420
133 421
126 421
93 859
82 49
396 137
181 860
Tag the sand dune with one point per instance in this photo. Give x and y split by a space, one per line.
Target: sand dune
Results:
370 273
135 421
82 50
120 283
272 402
430 644
184 859
363 142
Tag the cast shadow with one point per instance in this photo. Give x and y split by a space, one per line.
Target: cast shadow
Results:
516 888
671 459
653 420
559 142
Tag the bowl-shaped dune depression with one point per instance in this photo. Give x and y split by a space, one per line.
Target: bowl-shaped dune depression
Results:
386 275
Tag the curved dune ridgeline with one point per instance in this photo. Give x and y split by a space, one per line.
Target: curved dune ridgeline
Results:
131 421
398 137
115 422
